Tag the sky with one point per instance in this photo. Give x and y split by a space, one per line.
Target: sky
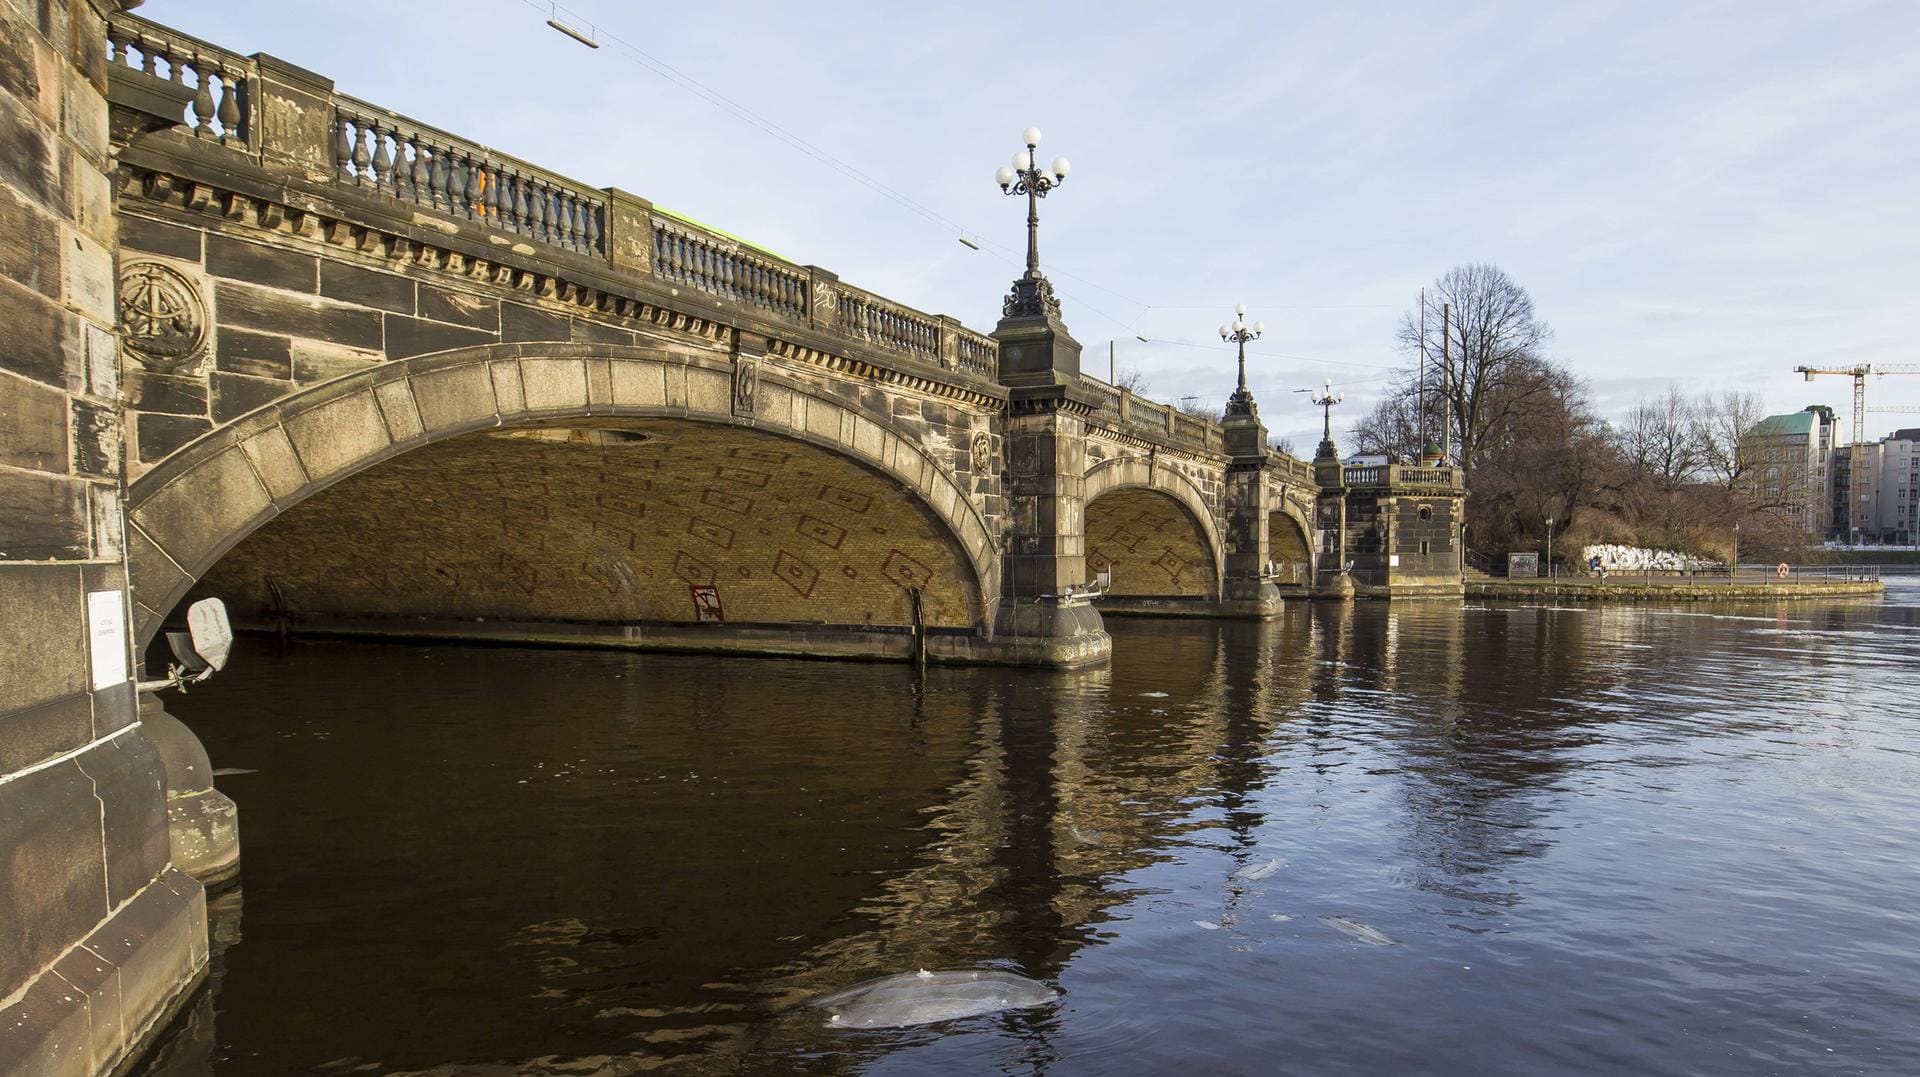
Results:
1701 194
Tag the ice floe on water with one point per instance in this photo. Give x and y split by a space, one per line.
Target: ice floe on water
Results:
1357 931
1264 870
923 997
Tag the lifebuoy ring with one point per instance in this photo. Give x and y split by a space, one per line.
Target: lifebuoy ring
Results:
1781 570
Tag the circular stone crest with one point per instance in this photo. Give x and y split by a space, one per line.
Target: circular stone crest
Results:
982 453
162 318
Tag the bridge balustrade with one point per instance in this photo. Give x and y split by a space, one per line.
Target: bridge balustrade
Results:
869 317
390 155
685 255
221 108
380 153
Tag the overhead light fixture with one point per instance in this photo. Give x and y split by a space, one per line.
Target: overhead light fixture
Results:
968 243
584 39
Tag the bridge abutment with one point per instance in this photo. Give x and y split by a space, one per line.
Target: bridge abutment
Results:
103 939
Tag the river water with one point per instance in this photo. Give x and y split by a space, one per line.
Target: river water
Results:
1624 840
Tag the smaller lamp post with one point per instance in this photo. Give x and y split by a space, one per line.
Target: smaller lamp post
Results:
1241 402
1325 400
1549 547
1733 566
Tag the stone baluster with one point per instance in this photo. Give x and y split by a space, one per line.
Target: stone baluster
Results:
537 211
442 170
383 175
420 184
362 153
667 254
491 198
569 222
682 265
522 205
475 183
593 230
342 149
229 110
203 106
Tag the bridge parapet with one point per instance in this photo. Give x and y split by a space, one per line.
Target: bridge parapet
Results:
264 109
1405 478
1120 413
224 83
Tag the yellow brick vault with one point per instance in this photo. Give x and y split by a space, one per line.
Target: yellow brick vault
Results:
607 524
1151 544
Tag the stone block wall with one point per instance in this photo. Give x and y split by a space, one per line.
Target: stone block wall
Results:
99 937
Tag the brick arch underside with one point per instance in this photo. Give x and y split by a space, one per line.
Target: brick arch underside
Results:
1287 541
602 525
559 483
1151 543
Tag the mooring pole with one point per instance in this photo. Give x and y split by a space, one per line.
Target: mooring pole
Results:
919 630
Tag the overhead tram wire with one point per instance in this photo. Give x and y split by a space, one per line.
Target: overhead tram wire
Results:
596 36
967 236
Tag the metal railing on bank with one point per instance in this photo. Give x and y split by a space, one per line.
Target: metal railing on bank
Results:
1694 573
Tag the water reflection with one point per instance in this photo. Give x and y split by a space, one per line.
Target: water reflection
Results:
481 861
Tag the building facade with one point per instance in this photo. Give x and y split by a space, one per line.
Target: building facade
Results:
1786 462
1889 489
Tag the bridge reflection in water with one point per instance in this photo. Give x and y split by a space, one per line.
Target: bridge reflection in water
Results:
498 860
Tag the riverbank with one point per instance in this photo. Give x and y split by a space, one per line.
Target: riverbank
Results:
1619 589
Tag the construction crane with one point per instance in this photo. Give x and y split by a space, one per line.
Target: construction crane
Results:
1857 451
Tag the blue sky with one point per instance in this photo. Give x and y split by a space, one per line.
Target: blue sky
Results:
1705 194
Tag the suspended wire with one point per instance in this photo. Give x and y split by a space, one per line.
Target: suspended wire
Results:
971 237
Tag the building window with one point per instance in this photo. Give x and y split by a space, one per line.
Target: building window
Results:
1425 546
1426 513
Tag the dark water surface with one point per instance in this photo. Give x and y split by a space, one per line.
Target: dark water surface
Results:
1653 841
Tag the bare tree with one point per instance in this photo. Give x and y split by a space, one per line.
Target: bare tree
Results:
1482 360
1718 424
1132 379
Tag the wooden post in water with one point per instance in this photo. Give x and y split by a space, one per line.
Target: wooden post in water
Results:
919 630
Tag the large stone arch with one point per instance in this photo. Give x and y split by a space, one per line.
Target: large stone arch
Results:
192 508
1137 474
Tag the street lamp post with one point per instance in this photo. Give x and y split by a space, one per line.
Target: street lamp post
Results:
1549 547
1325 400
1032 293
1241 402
1733 566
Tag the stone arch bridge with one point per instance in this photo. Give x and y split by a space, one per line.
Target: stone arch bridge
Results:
359 375
382 380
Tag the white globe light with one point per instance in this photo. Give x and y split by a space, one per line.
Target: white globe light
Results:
1060 166
1031 137
1022 161
1259 328
1241 310
1223 332
1239 326
1004 177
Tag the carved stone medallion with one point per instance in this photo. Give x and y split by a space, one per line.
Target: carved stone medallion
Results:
162 317
982 453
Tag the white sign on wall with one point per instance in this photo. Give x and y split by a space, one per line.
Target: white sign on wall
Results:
107 637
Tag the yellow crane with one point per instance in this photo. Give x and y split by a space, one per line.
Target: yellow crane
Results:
1857 451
